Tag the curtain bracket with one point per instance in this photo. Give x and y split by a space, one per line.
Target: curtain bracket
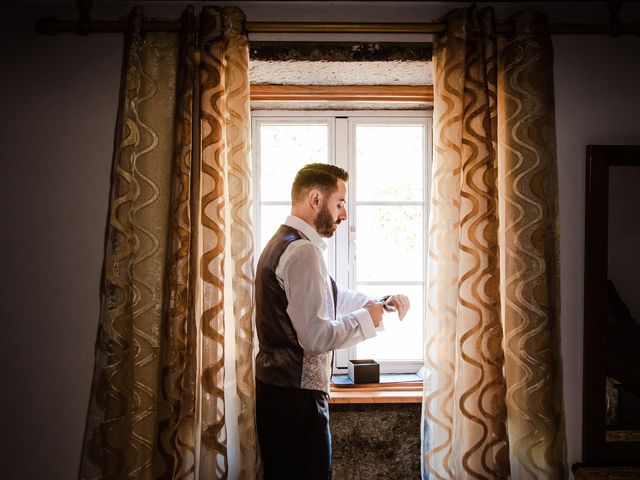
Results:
84 16
615 24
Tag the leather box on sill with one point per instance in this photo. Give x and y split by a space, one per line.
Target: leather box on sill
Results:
364 371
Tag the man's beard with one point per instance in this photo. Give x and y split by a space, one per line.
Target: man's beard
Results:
324 223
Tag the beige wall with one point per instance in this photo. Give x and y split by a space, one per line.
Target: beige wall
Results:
59 97
58 100
597 102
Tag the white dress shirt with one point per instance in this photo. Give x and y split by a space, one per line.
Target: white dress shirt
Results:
303 275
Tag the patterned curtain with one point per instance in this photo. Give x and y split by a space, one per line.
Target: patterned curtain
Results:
172 395
492 403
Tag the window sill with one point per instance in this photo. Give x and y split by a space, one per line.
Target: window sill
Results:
385 392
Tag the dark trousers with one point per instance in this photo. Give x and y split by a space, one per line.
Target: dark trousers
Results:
293 433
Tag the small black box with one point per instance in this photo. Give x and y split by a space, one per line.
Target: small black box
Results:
364 371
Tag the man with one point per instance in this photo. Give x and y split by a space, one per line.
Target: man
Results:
301 317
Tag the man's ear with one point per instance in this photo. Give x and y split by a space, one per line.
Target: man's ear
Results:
314 198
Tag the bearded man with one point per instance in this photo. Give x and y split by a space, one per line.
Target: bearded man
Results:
301 317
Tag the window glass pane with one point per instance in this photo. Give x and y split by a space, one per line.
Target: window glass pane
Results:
271 217
389 238
400 340
284 149
389 243
389 160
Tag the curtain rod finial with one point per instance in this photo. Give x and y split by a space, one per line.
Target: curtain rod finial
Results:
44 26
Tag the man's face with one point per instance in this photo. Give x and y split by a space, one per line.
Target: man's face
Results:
332 211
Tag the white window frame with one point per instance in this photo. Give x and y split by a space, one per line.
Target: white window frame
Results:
342 150
258 119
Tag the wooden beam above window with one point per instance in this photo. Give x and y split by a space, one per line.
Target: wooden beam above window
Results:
343 93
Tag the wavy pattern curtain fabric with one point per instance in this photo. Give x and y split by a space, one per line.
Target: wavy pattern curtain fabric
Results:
172 395
493 404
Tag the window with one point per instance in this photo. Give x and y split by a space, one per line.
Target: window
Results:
382 248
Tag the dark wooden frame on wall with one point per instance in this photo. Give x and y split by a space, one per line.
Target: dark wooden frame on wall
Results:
595 450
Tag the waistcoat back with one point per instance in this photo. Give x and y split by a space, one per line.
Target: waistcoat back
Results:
281 360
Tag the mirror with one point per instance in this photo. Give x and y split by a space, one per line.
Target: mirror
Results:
611 399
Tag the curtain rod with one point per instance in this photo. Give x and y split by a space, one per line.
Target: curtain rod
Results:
84 25
52 26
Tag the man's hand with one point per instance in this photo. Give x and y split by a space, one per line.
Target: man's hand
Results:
400 303
375 310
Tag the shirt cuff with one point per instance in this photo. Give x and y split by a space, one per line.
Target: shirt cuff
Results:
366 324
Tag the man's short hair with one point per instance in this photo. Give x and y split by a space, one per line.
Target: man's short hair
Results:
317 175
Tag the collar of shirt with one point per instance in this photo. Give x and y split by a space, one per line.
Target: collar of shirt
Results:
307 230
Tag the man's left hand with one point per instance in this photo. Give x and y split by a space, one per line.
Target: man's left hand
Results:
400 303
